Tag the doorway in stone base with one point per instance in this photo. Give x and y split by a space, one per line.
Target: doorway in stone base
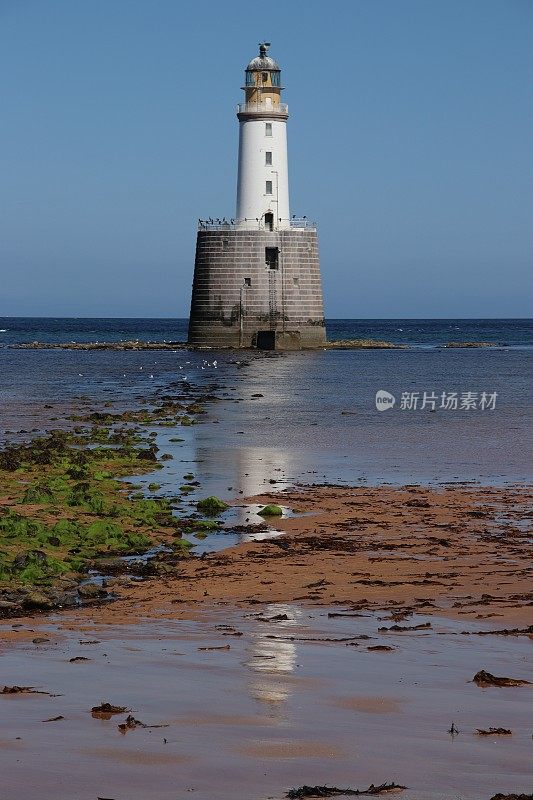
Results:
266 340
269 221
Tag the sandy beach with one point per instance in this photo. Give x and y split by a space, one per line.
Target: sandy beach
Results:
301 659
458 552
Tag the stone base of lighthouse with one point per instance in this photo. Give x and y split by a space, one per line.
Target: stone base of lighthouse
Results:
257 289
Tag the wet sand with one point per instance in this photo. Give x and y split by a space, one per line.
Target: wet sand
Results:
463 552
252 707
339 653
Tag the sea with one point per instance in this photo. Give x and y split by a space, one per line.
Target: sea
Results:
456 414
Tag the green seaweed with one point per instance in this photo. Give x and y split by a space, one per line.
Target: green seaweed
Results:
38 493
207 524
211 506
71 506
271 510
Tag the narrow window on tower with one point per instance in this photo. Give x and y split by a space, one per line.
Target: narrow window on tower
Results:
272 257
268 129
268 189
268 158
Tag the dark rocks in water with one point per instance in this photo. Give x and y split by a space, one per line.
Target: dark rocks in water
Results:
112 583
333 791
106 710
494 731
63 599
38 600
399 628
131 723
43 451
91 591
128 345
109 566
483 678
258 527
501 796
148 454
470 344
191 525
362 344
9 608
195 408
21 600
502 632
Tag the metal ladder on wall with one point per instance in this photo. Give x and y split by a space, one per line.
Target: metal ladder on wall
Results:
272 299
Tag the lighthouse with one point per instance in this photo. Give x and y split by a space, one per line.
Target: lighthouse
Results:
257 275
263 176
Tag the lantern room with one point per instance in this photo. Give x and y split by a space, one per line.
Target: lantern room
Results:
263 79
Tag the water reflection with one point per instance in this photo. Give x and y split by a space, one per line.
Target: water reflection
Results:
240 470
273 660
314 416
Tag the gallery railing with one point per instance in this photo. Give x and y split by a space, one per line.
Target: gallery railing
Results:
281 109
254 224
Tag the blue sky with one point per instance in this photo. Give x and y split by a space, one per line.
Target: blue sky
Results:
410 142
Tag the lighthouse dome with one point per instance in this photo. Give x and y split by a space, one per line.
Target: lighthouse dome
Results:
263 61
258 63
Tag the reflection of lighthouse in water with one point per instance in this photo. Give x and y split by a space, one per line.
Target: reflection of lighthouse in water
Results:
273 660
247 470
255 441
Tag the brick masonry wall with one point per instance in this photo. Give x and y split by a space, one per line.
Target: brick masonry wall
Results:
227 313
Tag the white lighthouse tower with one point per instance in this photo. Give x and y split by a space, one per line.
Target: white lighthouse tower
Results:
263 179
257 276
